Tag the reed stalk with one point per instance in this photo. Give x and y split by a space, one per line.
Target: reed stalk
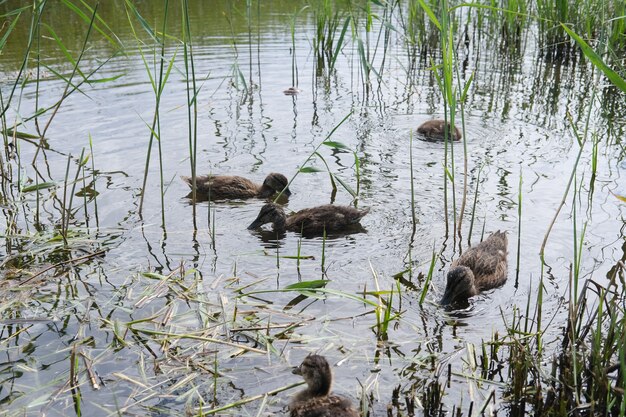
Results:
158 86
469 234
413 215
462 101
429 277
36 14
192 105
67 90
565 193
323 267
305 169
519 227
64 205
93 182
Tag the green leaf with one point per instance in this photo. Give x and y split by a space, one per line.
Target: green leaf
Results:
153 275
88 19
448 173
466 87
318 283
61 46
142 21
308 170
334 144
619 197
297 256
21 135
346 186
36 187
430 14
339 43
596 60
87 192
105 80
4 38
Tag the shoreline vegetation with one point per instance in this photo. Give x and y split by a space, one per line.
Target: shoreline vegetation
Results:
189 334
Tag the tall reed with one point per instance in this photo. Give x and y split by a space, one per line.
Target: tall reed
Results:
158 82
192 105
69 85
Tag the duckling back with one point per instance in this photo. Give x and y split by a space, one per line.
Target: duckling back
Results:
328 217
435 130
480 268
315 400
233 186
487 261
224 186
331 406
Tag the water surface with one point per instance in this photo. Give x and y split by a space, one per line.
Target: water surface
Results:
515 123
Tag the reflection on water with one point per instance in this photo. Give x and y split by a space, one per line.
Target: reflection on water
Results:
367 300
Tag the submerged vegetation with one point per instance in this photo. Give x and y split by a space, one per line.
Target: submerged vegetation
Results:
119 296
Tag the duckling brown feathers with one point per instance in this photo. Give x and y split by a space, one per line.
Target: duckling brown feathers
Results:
435 130
233 186
315 401
480 268
313 220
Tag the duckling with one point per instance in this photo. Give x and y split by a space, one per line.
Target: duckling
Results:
291 91
434 130
231 186
315 401
310 221
480 268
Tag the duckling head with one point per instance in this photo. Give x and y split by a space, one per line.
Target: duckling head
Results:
275 183
317 374
270 213
460 285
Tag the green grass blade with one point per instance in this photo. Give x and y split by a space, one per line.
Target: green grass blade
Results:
596 60
345 185
430 14
4 38
335 144
339 42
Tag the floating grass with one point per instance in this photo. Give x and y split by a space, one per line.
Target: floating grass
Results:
188 336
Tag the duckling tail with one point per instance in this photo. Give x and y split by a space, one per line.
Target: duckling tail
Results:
363 212
187 179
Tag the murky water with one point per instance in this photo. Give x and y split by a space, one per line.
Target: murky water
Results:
516 125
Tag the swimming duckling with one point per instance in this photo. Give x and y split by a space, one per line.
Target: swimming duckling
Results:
231 186
310 221
292 91
315 401
480 268
434 130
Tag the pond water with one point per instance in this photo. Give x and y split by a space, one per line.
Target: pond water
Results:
122 327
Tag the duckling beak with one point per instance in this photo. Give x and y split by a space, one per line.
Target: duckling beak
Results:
255 224
447 298
287 192
296 370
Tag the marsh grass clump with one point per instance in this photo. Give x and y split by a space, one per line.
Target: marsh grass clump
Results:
588 18
327 42
585 374
82 312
